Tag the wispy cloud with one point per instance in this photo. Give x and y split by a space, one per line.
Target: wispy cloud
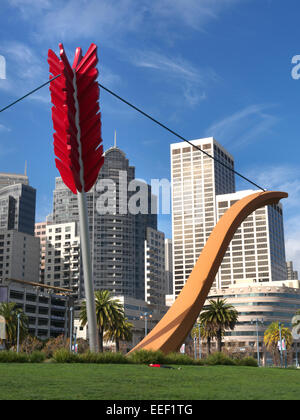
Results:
243 127
192 13
189 80
75 19
3 128
25 70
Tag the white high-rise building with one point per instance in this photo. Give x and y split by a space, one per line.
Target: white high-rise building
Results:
202 190
155 274
256 252
62 256
196 180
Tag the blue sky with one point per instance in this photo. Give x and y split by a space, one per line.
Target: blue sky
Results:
217 68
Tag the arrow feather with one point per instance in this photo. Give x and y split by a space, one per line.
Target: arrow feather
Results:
76 118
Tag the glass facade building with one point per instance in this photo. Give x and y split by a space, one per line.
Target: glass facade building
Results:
118 236
17 208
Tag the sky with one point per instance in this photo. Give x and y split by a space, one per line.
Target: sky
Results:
222 68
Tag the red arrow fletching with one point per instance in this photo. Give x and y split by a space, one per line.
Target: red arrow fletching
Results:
76 118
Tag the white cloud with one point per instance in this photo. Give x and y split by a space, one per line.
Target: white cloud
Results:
251 124
175 67
25 70
189 80
192 13
3 128
75 19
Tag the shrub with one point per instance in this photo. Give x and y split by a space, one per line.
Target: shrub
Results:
55 344
179 359
219 359
13 357
83 345
65 356
37 357
147 357
31 344
106 357
247 361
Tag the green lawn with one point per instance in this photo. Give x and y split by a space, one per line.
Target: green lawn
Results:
140 382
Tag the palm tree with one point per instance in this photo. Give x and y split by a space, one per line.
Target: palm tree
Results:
120 331
10 313
207 331
218 317
108 311
272 337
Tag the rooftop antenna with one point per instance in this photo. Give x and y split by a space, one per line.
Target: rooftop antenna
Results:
115 140
25 172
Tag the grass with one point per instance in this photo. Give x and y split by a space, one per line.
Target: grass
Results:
139 382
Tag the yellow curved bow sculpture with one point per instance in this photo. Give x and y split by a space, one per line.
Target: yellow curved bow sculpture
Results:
169 334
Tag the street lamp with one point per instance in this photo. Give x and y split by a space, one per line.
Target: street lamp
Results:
18 333
280 345
146 315
195 347
256 321
71 328
200 348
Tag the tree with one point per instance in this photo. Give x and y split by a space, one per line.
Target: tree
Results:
207 331
218 317
272 337
108 311
10 312
31 344
120 331
54 344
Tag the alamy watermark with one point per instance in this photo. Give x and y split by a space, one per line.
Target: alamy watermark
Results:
2 67
296 68
134 197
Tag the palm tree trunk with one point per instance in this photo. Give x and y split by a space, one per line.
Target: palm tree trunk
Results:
117 345
219 338
208 345
101 340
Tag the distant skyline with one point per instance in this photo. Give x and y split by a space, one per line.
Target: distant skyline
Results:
219 68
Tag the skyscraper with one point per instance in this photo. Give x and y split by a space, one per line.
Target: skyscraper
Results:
155 274
203 189
256 252
117 235
196 180
17 204
19 250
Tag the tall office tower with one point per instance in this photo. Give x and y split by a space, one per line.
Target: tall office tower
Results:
17 208
19 256
256 252
291 274
62 257
155 274
196 180
169 266
117 235
11 179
